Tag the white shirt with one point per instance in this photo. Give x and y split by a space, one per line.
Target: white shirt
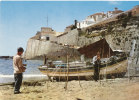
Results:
94 59
17 64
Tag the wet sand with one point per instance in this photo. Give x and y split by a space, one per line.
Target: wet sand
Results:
112 89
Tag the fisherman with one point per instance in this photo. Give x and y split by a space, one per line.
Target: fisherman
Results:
19 68
96 63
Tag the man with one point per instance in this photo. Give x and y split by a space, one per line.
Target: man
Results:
18 70
96 62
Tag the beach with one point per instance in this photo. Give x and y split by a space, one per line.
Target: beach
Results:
110 89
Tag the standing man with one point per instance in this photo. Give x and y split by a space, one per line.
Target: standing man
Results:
18 70
96 62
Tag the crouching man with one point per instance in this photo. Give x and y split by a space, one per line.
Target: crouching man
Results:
18 70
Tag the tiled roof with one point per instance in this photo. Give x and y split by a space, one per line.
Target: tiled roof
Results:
98 14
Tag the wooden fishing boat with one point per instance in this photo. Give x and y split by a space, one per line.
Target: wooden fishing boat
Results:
79 71
84 72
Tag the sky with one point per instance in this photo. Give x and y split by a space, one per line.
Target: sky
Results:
20 20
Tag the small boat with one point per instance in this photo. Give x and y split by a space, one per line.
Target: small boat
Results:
61 72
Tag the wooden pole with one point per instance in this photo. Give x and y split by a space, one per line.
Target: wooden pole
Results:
79 78
59 73
44 63
45 60
67 72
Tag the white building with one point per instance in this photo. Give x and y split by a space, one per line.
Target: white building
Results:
97 17
90 20
47 34
112 13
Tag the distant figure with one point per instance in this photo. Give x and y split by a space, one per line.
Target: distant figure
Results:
18 70
96 62
82 58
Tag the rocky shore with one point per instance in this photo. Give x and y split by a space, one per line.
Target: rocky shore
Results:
112 89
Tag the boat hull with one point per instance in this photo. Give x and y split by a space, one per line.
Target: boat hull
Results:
86 73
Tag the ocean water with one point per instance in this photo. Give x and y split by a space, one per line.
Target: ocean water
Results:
32 72
6 67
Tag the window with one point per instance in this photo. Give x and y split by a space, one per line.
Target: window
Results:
47 38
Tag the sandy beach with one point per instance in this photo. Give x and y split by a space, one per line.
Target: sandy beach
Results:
113 89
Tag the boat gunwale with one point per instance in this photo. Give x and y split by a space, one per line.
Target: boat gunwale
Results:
86 67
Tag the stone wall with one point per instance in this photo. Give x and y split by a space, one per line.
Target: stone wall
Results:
70 38
37 48
118 35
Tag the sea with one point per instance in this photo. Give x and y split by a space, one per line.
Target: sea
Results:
32 72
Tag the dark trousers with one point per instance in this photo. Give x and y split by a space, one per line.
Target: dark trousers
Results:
18 81
96 72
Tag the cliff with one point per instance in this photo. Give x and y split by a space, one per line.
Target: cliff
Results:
37 49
